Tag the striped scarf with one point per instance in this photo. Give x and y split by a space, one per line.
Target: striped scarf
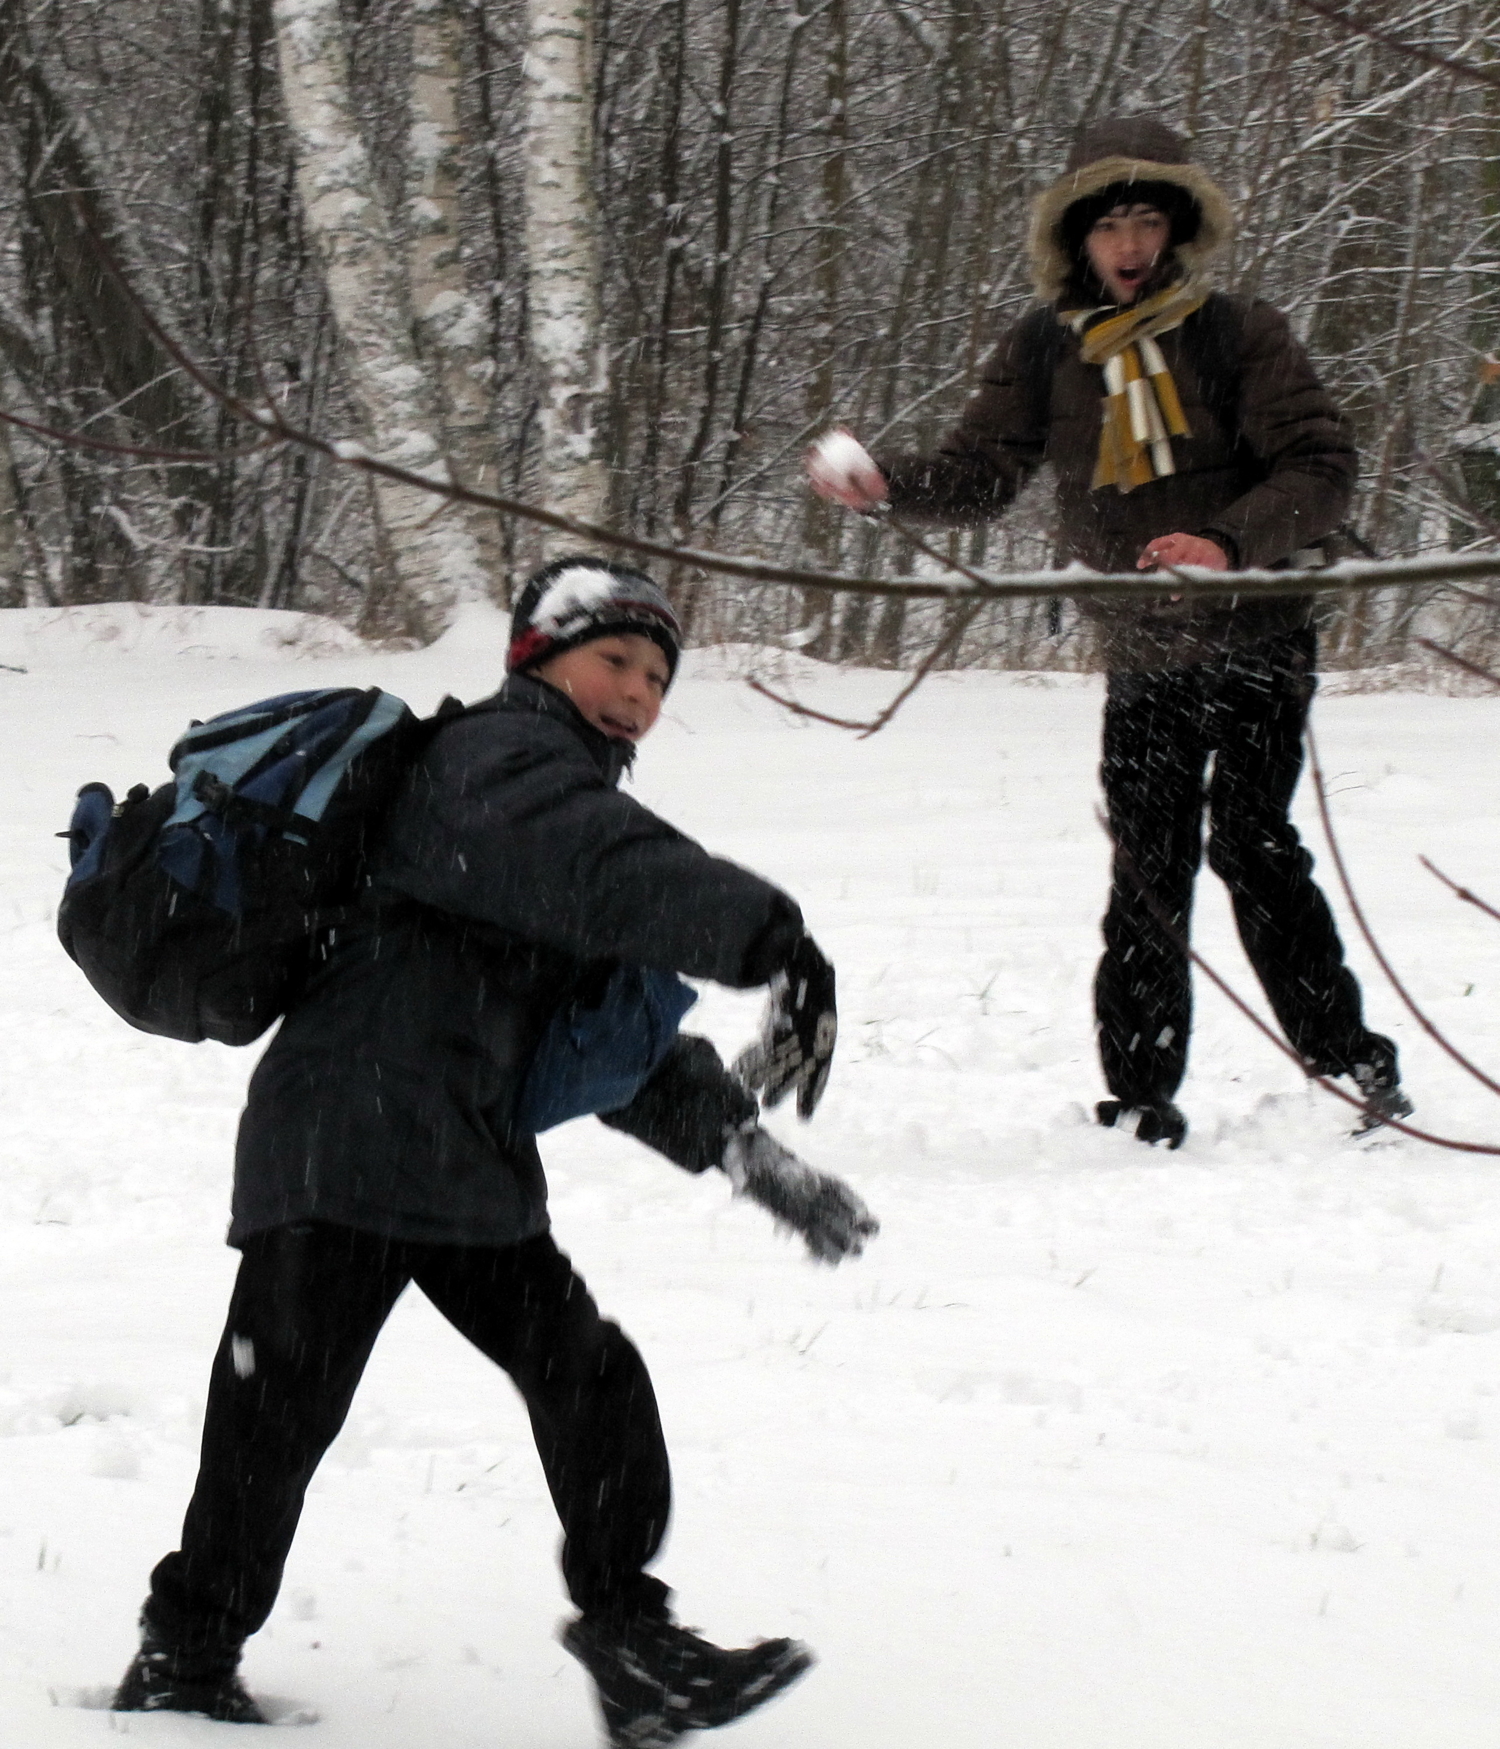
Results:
1141 413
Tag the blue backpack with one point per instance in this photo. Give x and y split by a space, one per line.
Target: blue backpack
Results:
195 910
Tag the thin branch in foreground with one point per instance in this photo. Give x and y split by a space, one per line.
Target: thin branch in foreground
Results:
1433 1031
806 710
1159 912
1469 898
1072 584
140 451
944 646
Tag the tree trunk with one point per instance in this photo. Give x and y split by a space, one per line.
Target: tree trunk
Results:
452 323
562 247
12 551
432 553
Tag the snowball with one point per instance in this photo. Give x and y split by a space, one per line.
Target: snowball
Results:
842 453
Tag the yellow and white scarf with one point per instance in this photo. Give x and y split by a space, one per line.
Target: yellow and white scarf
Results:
1142 412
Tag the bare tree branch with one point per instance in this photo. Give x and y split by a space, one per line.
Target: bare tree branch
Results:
1461 892
1357 24
1158 911
1073 583
945 646
1434 1032
182 457
1460 661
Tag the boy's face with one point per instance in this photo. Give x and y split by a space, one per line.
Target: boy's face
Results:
1124 247
617 682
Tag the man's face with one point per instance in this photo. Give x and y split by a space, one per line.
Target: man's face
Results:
1124 246
617 682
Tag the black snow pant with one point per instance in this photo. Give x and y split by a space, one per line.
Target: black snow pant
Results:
307 1306
1245 712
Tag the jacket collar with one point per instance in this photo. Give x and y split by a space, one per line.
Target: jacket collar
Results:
522 692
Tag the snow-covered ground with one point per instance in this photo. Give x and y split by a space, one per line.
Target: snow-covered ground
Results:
1097 1446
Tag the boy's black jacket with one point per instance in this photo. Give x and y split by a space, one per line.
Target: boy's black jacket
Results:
510 869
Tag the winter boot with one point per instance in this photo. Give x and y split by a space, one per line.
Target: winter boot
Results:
162 1679
1157 1121
657 1681
1379 1083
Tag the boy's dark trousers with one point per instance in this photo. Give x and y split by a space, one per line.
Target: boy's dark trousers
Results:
1245 710
307 1306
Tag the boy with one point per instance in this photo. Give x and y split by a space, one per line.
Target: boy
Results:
1185 427
383 1142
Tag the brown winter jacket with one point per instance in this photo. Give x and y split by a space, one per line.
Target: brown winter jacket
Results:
1265 475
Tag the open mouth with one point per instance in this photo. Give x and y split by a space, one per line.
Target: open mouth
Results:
624 731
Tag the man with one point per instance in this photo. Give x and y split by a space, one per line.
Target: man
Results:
1185 428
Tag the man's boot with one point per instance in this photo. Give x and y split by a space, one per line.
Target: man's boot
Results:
166 1679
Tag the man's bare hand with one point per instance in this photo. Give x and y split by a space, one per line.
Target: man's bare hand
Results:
1172 550
840 469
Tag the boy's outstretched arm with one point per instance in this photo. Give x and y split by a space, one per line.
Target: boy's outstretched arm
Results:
698 1115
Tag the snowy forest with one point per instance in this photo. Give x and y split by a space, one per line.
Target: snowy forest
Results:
1163 1407
626 258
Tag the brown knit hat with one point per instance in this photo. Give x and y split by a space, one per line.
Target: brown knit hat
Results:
1126 150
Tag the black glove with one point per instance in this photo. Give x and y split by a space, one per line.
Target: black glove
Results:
801 1026
833 1221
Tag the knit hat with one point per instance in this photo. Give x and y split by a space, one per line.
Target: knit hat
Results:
1129 159
574 600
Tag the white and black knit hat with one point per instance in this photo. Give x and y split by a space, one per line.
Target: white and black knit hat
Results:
574 600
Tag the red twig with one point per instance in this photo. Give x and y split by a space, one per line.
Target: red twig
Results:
1463 893
1357 25
949 642
1159 912
1460 661
1434 1032
804 710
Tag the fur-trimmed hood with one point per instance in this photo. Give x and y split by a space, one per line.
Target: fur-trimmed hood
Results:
1136 148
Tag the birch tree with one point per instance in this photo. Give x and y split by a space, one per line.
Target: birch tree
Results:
563 257
452 323
432 554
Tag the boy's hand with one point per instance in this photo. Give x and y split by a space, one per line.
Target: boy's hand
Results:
801 1026
832 1219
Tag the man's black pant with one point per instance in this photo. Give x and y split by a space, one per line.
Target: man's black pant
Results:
307 1306
1246 712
